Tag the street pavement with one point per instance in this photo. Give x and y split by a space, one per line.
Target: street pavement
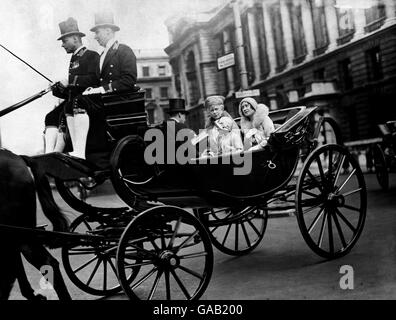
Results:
283 266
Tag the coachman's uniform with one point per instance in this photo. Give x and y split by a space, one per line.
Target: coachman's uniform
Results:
83 73
118 74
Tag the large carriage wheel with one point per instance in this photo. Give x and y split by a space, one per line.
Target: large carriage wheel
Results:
173 251
331 201
329 132
380 165
233 231
129 169
91 267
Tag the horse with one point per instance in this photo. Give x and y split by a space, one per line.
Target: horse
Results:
18 206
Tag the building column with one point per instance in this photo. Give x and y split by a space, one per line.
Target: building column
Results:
230 72
270 41
331 23
360 22
308 28
197 56
287 33
390 8
254 46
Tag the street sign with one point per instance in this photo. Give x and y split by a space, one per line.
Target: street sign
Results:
247 93
226 61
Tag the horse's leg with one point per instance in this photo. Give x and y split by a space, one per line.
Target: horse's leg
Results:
24 284
8 273
37 255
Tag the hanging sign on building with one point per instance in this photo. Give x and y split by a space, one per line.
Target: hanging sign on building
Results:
247 93
226 61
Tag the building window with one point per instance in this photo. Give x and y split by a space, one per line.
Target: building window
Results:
277 30
374 64
319 74
149 93
248 51
262 42
164 92
300 49
161 70
176 75
192 79
320 27
146 71
345 71
298 84
375 16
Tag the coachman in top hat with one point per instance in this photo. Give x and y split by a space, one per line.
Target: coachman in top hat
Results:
83 73
118 72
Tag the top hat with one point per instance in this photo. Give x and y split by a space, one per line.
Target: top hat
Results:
177 105
69 28
106 20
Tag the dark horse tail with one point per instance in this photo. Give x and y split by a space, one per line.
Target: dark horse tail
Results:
47 201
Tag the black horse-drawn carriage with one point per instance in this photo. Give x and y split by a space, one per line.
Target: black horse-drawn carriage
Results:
165 251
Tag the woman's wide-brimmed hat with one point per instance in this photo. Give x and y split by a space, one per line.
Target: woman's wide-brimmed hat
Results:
69 28
105 20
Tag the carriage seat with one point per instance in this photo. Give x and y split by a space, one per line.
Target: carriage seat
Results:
125 113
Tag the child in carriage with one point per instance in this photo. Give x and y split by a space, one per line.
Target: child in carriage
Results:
229 139
256 125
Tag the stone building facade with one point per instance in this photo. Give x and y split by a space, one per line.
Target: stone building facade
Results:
155 77
308 52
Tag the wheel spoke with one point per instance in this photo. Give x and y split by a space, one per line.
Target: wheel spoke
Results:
187 295
316 182
338 212
340 233
192 272
170 245
352 192
312 208
315 220
313 195
338 170
112 266
104 275
321 172
346 181
236 236
81 251
319 243
253 227
155 284
245 234
93 272
134 265
187 240
226 234
193 255
167 285
144 278
85 264
330 231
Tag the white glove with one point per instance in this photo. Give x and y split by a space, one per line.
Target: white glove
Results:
90 91
251 133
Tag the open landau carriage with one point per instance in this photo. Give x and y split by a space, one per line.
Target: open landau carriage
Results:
165 252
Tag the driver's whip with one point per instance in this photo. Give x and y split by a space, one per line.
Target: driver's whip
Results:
26 63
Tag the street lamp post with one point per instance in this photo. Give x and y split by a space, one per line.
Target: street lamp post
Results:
240 46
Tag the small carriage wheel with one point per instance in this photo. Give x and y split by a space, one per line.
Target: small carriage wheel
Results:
128 169
381 167
174 253
233 232
92 267
331 201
